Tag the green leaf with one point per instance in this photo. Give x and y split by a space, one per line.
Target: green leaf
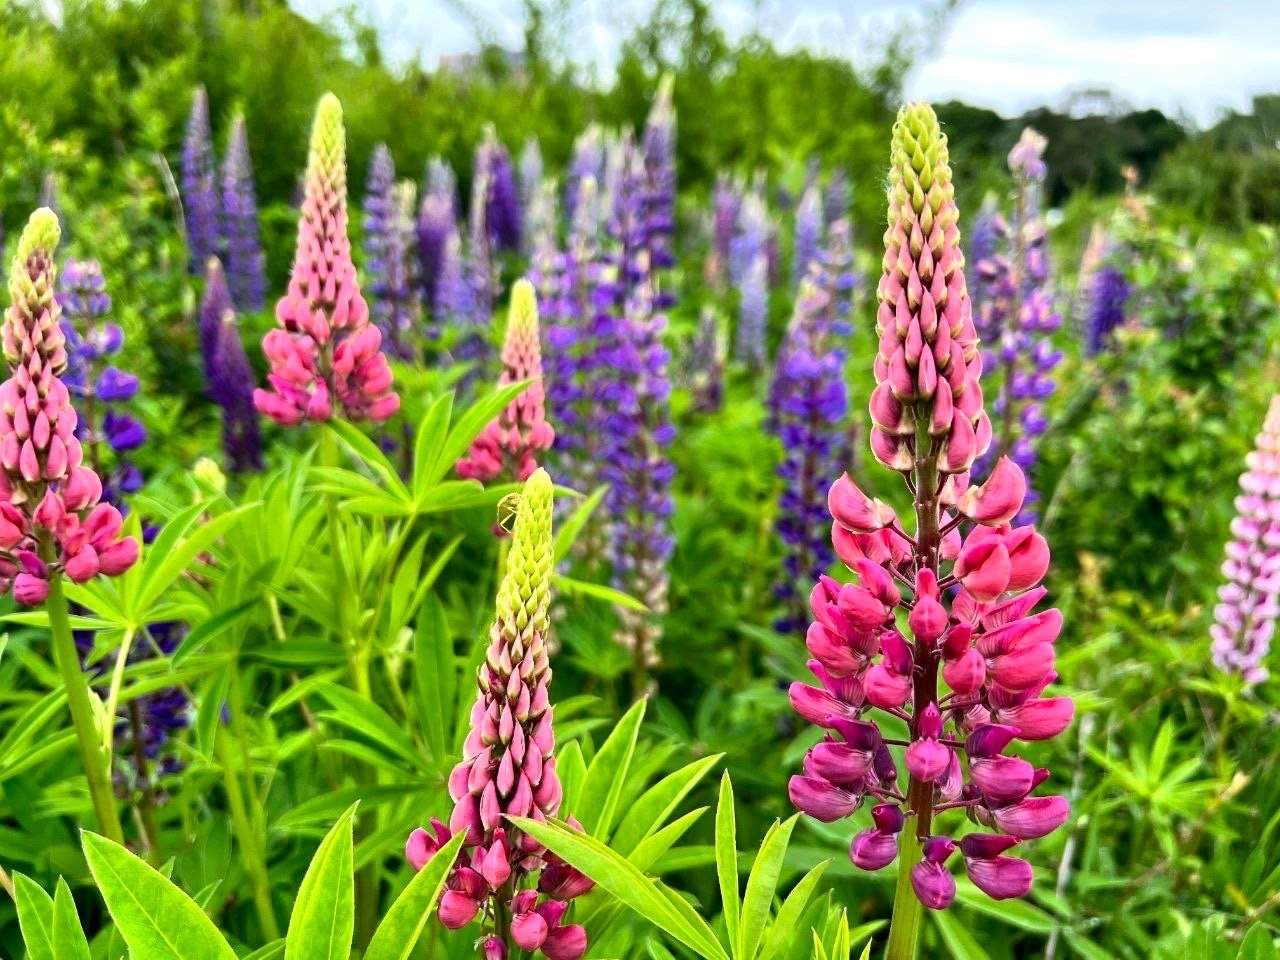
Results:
69 942
596 591
608 774
35 917
156 919
324 915
1257 944
651 900
787 923
469 426
432 430
161 569
271 951
436 674
356 713
960 942
657 803
761 886
355 440
401 928
572 527
727 860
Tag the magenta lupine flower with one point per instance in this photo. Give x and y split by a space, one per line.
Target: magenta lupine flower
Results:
508 768
966 601
1249 600
199 185
511 443
50 515
326 357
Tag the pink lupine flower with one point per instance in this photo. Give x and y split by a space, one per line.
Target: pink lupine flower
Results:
50 518
962 584
509 769
326 357
511 443
1249 599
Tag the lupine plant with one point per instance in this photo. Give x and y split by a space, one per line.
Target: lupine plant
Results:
228 376
246 265
1249 600
437 220
388 231
749 272
1108 297
199 185
965 600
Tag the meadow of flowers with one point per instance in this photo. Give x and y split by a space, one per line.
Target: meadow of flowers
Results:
560 561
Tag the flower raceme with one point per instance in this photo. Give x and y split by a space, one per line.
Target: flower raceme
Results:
509 769
326 356
50 517
511 443
938 603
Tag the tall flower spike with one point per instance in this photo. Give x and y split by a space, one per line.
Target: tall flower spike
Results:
749 272
510 444
388 231
509 769
1249 600
228 377
52 520
437 220
246 265
1017 318
808 233
326 356
1108 298
954 598
199 185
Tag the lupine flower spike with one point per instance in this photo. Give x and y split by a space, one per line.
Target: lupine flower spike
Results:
50 517
326 356
245 262
199 185
388 239
935 602
228 376
1108 298
1249 600
509 769
510 445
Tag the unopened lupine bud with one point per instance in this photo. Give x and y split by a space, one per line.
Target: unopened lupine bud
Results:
325 356
511 443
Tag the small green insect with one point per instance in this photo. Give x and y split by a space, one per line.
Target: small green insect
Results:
508 506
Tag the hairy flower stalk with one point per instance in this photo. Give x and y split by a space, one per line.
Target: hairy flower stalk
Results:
100 392
1249 599
808 406
326 356
508 769
246 266
936 602
51 521
388 239
228 376
199 185
1017 319
511 443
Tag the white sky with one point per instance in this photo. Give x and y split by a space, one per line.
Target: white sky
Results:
1182 56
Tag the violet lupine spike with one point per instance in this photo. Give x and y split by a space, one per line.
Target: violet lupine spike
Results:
508 768
1108 298
510 445
326 357
495 180
704 363
1017 319
658 198
228 376
636 465
533 213
99 390
246 266
809 229
809 404
838 197
985 239
437 221
967 601
1249 599
50 515
214 305
749 272
587 162
726 206
388 230
199 185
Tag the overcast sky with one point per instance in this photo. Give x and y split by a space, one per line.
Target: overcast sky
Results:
1192 56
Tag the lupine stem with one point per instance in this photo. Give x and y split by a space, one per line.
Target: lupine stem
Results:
255 865
97 763
904 929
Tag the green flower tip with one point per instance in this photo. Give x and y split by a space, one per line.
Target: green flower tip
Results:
328 141
41 235
523 316
525 595
920 163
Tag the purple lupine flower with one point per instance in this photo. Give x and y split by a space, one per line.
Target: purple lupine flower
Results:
808 404
1017 319
749 273
985 242
532 209
838 197
966 601
388 230
437 219
229 379
658 199
638 396
246 266
1108 298
726 206
704 363
199 185
99 391
495 178
808 233
1249 599
587 162
144 751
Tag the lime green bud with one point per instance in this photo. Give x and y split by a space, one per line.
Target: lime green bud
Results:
32 336
524 598
327 162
